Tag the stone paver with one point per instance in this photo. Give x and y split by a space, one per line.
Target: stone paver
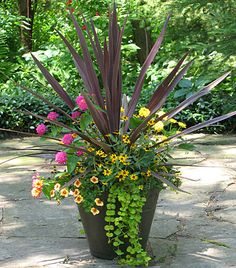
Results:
196 230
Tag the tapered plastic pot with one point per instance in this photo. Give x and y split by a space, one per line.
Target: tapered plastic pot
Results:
96 235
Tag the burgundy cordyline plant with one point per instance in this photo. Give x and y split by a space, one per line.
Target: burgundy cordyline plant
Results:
109 145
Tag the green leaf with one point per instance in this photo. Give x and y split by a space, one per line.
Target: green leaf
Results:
85 120
135 122
72 162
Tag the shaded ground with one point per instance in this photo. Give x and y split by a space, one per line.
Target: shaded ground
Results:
197 230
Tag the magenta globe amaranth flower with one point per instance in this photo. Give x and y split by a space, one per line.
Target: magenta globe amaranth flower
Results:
61 157
67 139
80 152
80 101
52 116
41 129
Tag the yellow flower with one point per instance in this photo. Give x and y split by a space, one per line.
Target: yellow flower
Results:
94 211
91 149
173 121
123 158
151 122
100 165
160 113
64 192
148 173
163 138
99 202
52 193
125 138
113 158
79 199
76 192
82 169
38 183
122 109
94 179
124 118
107 172
57 186
144 112
133 177
122 175
182 125
77 183
99 152
159 126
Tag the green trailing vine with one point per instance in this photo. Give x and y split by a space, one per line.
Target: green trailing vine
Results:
123 217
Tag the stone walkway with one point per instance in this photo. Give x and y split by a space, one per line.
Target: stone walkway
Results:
190 231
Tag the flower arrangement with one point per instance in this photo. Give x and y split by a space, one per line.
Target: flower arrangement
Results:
112 152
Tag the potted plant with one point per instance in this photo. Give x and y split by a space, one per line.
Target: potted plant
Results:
114 158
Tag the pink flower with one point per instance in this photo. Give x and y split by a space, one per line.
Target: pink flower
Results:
52 116
61 157
81 103
84 27
80 152
75 114
97 13
41 129
36 175
67 139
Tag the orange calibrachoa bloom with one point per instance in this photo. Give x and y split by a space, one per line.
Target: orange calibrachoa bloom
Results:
99 202
64 192
76 192
79 199
94 179
57 186
94 211
77 183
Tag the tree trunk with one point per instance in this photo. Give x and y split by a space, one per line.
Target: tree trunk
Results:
27 9
142 38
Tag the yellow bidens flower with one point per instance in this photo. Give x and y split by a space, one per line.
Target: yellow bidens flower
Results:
77 183
148 173
151 122
64 192
181 124
101 153
124 118
91 149
76 192
79 199
52 193
57 186
113 158
94 179
125 138
144 112
159 126
122 109
123 158
133 177
107 172
94 211
122 175
99 202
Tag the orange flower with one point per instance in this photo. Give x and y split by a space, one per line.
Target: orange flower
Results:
99 202
77 183
76 192
52 193
94 179
35 192
64 192
94 211
79 199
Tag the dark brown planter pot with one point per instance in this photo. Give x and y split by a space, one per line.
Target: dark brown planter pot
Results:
96 235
